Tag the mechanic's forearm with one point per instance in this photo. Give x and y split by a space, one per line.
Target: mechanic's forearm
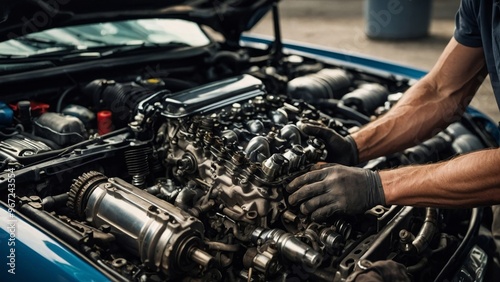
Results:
427 107
466 181
413 120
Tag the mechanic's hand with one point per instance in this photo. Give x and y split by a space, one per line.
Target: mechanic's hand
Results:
341 150
331 188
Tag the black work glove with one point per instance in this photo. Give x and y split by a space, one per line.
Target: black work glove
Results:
383 270
341 150
328 189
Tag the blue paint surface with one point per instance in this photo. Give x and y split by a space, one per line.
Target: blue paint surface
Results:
38 257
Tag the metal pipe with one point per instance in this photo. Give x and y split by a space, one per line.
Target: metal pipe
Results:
160 234
289 246
218 246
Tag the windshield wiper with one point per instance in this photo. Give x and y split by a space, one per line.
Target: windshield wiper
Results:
95 52
108 51
43 43
6 56
90 38
144 46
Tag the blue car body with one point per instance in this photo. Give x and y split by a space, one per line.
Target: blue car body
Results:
31 253
38 256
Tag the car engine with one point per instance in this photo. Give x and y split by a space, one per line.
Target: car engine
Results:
155 177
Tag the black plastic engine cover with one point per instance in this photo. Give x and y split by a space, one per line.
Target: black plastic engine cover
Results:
61 129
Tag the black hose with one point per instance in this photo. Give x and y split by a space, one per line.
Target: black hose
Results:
351 113
50 202
61 98
330 104
427 231
465 246
53 225
418 266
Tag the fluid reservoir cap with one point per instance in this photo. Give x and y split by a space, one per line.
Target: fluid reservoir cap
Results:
6 114
294 59
152 83
104 122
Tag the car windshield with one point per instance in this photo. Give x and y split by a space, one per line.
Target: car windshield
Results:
154 32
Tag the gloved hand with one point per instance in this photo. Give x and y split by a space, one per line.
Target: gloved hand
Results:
341 150
331 188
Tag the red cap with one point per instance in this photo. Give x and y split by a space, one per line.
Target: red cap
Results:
104 122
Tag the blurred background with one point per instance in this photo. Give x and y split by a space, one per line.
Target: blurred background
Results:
340 25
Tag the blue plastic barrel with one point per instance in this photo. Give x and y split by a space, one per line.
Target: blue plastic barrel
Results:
397 19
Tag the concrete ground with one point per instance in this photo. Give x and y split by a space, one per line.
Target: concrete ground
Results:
340 25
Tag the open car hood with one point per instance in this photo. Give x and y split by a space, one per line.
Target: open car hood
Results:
229 17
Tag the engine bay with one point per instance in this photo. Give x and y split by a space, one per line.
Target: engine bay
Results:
180 173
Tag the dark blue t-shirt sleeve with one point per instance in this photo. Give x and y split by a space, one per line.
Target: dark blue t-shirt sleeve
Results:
467 31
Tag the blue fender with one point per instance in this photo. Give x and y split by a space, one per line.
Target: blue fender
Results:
28 254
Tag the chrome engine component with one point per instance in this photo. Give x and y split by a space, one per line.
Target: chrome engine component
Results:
138 159
213 96
245 171
198 178
164 237
290 247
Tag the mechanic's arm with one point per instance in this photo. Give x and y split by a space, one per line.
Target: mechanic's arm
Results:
427 107
466 181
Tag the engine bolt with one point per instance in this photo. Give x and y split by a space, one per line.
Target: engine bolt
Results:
404 235
105 228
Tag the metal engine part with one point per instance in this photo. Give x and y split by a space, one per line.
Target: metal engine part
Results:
206 172
290 247
19 146
245 169
138 158
164 237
